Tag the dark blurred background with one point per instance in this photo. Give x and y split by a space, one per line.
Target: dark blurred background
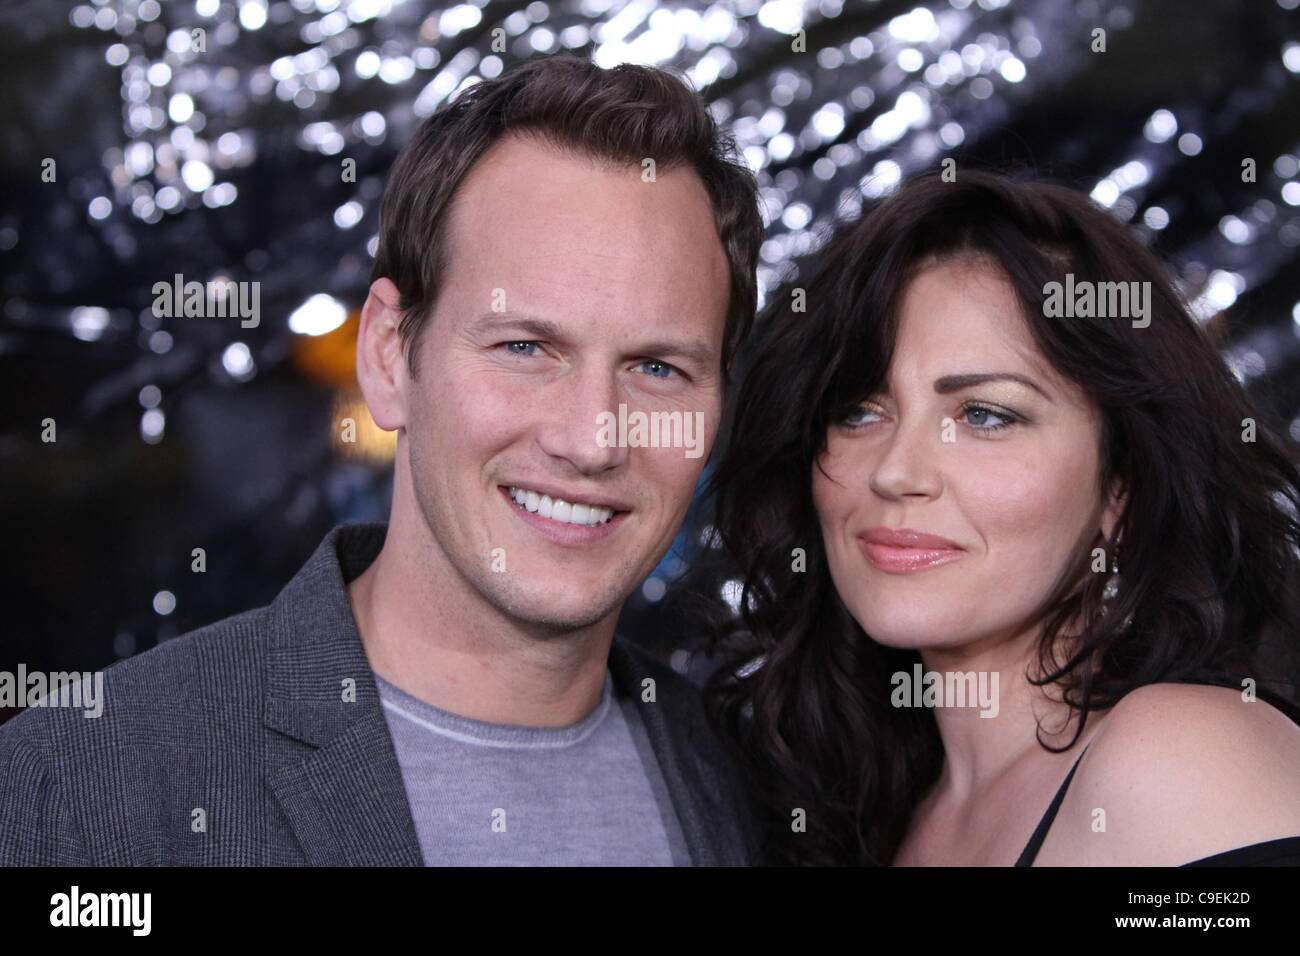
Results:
227 162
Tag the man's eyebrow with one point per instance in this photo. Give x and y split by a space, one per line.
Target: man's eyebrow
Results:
954 383
518 321
693 352
697 352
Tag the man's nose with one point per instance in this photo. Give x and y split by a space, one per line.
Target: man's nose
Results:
572 429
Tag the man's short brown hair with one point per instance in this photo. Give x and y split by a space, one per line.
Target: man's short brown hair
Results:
626 114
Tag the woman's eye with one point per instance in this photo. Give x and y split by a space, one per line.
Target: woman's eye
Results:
858 415
985 419
656 369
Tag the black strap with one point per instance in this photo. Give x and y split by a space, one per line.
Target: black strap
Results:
1030 851
1284 852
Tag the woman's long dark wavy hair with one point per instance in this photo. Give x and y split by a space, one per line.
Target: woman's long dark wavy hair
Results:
1209 544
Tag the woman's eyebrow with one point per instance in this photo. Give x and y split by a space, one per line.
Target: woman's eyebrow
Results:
954 383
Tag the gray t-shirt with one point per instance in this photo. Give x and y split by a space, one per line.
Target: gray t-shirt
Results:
483 794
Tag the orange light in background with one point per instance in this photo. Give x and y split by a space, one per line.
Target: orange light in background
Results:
355 433
331 360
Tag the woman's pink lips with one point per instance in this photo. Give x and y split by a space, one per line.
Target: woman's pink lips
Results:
896 560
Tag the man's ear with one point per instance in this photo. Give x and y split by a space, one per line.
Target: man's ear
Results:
381 364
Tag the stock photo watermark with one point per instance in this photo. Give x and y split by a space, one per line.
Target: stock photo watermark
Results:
75 909
217 299
1098 300
922 688
70 689
637 429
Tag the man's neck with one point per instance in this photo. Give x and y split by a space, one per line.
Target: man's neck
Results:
426 631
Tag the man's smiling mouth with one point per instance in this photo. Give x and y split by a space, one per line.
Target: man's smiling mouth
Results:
580 513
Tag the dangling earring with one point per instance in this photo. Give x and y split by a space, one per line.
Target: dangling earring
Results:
1112 585
1111 589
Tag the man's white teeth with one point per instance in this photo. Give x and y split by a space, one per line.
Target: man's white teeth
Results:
557 509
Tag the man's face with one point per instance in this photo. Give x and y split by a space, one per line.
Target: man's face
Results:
571 287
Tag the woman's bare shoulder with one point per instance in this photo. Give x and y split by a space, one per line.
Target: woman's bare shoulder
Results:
1179 772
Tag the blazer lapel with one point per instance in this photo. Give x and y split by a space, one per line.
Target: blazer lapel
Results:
331 762
713 821
346 801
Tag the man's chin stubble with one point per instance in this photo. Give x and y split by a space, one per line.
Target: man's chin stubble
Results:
533 616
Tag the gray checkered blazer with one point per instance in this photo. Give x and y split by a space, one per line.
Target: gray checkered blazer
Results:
244 720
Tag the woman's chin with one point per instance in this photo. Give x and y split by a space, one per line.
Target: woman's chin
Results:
917 633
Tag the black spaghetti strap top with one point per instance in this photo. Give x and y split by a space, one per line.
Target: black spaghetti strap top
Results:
1040 832
1283 852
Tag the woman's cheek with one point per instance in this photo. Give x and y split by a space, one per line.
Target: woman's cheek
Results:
1029 509
833 484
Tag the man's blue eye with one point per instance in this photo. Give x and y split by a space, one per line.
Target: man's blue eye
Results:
520 348
657 369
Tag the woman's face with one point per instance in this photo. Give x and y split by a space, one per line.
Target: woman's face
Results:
977 441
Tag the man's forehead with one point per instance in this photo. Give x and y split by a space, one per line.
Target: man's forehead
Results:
531 178
532 227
